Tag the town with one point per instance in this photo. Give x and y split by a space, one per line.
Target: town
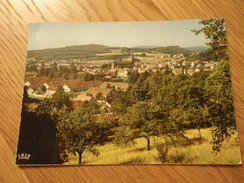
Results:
99 77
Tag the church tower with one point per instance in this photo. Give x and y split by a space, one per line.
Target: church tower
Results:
112 66
132 58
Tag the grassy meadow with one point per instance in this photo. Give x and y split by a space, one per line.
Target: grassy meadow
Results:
195 154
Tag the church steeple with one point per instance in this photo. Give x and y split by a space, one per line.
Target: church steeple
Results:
132 57
112 66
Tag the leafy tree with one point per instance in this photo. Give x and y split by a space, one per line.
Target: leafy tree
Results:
124 136
38 138
133 77
106 66
31 68
99 96
33 137
54 67
52 105
218 86
50 109
196 109
88 77
167 90
220 107
73 68
41 89
177 123
61 98
119 101
139 90
215 32
80 131
143 119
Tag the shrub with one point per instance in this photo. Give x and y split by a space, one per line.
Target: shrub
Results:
177 157
135 160
162 152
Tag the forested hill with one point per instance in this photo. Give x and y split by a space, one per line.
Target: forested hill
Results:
166 49
89 51
70 52
197 48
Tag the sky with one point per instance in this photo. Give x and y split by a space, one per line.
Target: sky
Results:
125 34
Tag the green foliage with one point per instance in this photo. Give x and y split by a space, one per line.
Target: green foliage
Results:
206 55
61 98
91 107
167 49
220 107
163 149
71 52
124 136
38 138
133 77
138 91
73 68
88 77
41 89
31 68
88 52
119 101
215 32
142 119
80 131
99 96
51 106
106 66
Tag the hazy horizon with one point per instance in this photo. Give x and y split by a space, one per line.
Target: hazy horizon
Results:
116 34
147 46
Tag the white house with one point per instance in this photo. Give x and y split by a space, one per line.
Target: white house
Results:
66 89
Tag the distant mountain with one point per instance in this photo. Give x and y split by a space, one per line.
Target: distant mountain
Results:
70 52
88 52
145 47
197 48
166 49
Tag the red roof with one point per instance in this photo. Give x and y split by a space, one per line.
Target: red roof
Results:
178 71
77 103
54 82
110 116
77 83
95 91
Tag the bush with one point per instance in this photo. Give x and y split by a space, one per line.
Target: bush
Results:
162 152
173 156
177 157
135 160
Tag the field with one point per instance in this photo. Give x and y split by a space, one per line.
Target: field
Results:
150 59
105 61
194 154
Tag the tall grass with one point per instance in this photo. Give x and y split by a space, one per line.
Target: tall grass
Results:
195 153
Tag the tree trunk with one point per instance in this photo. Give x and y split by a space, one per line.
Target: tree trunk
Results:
80 157
148 143
200 135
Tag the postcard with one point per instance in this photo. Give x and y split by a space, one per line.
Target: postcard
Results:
119 93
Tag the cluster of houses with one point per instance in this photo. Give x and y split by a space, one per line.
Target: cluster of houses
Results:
179 65
123 68
44 87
